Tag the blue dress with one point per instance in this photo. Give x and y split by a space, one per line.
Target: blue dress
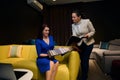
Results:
42 47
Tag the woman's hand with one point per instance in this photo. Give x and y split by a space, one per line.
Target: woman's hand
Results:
43 55
86 36
75 48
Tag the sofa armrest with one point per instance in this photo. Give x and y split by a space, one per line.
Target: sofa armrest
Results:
74 65
112 53
108 57
96 45
73 61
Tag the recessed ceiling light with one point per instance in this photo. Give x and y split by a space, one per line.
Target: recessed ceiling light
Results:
54 0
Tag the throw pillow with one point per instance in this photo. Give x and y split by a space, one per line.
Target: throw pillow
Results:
104 45
15 51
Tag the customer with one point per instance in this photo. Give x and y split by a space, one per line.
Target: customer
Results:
83 28
45 42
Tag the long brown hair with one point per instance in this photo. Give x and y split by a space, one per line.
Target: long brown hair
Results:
40 35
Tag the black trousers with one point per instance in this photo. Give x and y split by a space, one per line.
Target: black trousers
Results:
84 53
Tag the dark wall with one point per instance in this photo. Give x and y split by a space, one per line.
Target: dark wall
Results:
18 21
104 16
111 16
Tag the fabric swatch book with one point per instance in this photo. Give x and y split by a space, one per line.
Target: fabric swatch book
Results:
59 51
64 50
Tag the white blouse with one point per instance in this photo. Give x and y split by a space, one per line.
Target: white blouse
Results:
82 28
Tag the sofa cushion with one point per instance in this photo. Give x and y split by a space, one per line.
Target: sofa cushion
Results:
103 45
29 52
15 51
4 50
114 47
114 44
25 51
11 60
32 53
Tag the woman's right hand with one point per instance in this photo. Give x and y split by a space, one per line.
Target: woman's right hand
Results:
43 55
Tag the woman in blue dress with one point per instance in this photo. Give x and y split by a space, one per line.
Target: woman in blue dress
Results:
45 64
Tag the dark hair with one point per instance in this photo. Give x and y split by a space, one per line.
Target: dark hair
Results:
40 35
77 11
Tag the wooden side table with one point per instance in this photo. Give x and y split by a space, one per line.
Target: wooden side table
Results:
27 76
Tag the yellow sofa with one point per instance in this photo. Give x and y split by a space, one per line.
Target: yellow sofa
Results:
67 70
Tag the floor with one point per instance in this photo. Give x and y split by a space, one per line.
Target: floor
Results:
95 72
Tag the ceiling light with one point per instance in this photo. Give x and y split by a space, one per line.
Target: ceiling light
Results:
54 0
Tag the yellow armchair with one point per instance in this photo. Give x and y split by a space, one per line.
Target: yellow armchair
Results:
71 64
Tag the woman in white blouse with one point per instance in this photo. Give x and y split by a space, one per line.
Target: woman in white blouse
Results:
83 28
